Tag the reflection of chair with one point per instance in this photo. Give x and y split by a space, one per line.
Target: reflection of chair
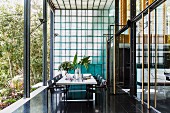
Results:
167 76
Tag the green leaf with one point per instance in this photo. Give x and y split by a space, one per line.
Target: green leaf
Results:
85 61
75 60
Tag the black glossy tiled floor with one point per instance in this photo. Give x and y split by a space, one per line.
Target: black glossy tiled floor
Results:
106 103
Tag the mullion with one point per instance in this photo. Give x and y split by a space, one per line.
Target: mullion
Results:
60 32
97 39
76 30
103 42
85 30
92 35
69 33
65 33
87 25
81 31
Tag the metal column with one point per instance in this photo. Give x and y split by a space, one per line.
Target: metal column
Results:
45 43
156 58
26 48
51 43
116 46
114 62
107 59
133 49
143 49
149 33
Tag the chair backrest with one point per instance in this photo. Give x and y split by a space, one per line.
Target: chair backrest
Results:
51 85
98 77
103 83
60 76
56 78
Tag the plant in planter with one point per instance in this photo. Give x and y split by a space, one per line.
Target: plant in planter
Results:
84 61
65 66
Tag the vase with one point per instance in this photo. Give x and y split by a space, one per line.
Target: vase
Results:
64 73
77 73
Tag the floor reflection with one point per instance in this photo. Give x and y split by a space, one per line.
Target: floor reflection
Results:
104 102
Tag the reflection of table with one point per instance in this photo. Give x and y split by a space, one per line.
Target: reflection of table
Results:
167 76
64 81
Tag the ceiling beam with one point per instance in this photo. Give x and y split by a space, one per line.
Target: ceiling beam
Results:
70 4
99 4
64 4
88 4
58 4
105 4
81 4
76 4
51 4
93 4
111 4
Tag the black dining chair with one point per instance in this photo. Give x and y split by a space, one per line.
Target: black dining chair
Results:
99 90
55 89
100 87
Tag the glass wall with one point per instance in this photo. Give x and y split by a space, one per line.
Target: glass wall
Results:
12 46
152 55
81 31
11 52
163 65
153 58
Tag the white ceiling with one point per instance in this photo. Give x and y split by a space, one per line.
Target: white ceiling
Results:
83 4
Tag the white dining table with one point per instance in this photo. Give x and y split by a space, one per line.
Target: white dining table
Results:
65 81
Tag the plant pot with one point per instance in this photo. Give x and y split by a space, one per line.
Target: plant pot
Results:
64 73
77 73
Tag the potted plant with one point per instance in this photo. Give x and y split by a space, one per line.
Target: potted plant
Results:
84 61
65 66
